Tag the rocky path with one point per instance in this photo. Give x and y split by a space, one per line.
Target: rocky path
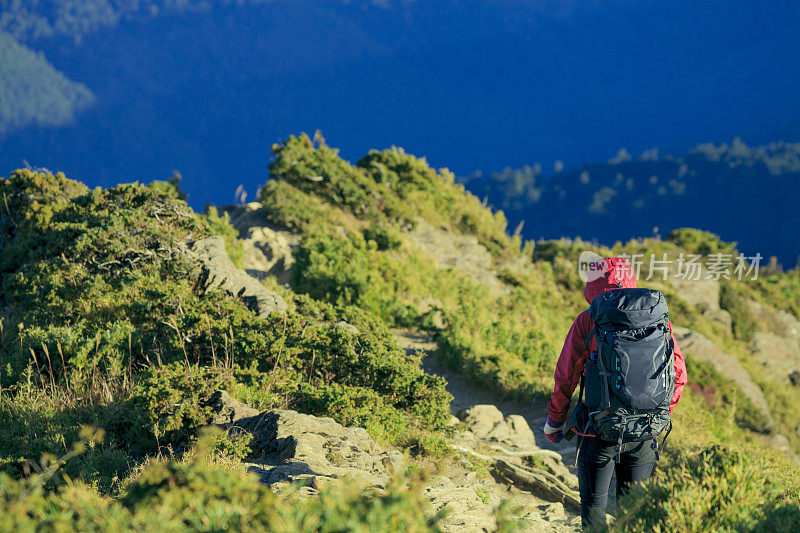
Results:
466 394
506 438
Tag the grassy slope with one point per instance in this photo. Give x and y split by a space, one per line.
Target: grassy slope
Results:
104 325
508 339
141 345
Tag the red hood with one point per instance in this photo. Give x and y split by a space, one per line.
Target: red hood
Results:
618 274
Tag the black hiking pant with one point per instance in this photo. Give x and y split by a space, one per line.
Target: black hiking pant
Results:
596 466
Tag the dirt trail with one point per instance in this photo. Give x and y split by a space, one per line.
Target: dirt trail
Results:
512 479
466 394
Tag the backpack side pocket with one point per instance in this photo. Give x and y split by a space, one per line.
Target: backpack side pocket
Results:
593 382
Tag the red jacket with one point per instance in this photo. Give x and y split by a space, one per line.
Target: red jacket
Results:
569 369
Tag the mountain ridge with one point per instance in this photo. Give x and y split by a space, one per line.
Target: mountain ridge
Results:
732 190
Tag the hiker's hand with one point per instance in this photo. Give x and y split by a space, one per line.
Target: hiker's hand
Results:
553 431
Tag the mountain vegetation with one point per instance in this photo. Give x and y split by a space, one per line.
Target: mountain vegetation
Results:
734 190
107 323
36 19
173 90
33 92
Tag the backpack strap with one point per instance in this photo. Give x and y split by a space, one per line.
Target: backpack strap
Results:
591 334
619 440
604 376
655 438
669 428
586 344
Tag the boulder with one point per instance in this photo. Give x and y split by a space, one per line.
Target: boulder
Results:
467 503
722 317
701 293
288 446
460 252
778 354
777 322
267 246
219 272
226 411
776 346
487 422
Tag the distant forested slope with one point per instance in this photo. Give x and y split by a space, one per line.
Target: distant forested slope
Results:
32 91
34 19
746 194
204 86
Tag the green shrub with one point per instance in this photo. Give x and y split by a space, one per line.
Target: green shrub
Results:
720 488
313 167
700 242
437 198
171 399
292 208
192 496
734 300
388 188
352 271
780 290
105 306
431 445
355 406
171 187
384 236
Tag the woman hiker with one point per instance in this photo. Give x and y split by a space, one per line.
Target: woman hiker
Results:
627 403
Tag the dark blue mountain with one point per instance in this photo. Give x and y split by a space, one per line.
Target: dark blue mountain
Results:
473 85
748 195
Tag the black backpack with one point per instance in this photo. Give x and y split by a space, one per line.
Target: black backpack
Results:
630 378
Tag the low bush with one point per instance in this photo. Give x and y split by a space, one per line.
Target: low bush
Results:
192 496
700 242
103 315
733 299
719 488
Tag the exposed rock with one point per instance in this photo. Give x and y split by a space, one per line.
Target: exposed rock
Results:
779 355
481 419
702 349
293 447
541 482
701 293
557 468
267 247
347 327
467 502
288 446
219 272
487 422
777 345
722 317
227 411
794 378
777 322
470 499
461 252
